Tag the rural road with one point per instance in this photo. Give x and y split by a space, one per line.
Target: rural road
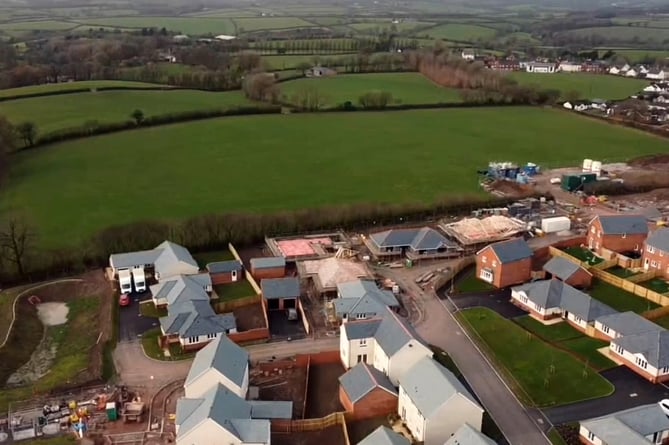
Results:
439 327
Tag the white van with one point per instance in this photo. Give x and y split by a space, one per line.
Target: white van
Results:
125 281
139 279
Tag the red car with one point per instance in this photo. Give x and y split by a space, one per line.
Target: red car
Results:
124 300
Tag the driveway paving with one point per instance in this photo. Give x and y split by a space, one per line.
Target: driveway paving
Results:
131 323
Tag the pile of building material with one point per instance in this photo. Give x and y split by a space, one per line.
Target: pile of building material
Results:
473 231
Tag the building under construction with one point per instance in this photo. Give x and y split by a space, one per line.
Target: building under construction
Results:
472 233
310 247
325 274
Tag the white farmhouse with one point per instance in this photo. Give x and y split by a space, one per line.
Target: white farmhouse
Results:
433 403
388 343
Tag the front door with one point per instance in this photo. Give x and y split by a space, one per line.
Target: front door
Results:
234 275
646 263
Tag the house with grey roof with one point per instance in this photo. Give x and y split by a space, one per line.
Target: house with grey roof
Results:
193 324
609 235
362 299
387 342
281 293
366 392
505 263
621 324
568 271
415 244
223 362
384 436
647 354
181 288
468 435
268 267
642 425
656 252
220 413
223 272
433 404
581 310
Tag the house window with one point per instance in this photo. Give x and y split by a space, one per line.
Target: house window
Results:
665 370
641 363
653 263
362 358
486 275
210 336
650 249
577 319
591 436
523 298
599 234
624 235
494 263
619 349
605 329
484 259
193 339
360 316
592 229
363 342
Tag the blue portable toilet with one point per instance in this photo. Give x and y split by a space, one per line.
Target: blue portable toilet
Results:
531 169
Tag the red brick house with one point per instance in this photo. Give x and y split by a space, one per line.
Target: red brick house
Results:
366 392
656 252
619 233
224 272
505 263
268 267
569 272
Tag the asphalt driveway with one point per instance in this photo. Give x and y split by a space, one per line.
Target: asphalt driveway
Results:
131 323
498 301
631 391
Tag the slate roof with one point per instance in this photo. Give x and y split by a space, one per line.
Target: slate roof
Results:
429 386
194 318
362 379
268 262
654 346
172 254
393 333
139 258
425 238
274 288
363 297
546 293
384 436
562 268
628 323
584 306
224 266
623 224
512 250
659 239
182 288
223 355
355 330
629 427
468 435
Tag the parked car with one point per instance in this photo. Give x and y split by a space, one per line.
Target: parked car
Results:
664 404
124 300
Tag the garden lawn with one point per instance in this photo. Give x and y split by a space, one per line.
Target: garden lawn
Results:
52 113
70 86
546 375
234 291
470 283
619 299
317 159
621 272
211 257
406 88
656 284
152 348
583 254
588 86
458 32
148 309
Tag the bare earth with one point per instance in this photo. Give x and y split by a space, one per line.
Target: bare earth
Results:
52 314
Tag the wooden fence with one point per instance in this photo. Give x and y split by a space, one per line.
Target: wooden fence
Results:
305 425
444 278
654 314
643 276
249 278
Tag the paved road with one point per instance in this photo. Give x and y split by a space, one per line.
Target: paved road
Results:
497 301
131 323
440 328
631 391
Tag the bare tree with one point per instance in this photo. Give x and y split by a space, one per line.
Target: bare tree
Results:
16 241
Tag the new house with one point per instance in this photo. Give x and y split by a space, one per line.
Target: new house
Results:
366 392
388 343
647 354
468 435
581 310
181 288
568 271
221 362
193 324
362 299
324 275
268 267
616 233
384 436
620 324
656 252
643 425
221 417
540 67
433 404
223 272
281 293
415 244
505 263
656 74
570 67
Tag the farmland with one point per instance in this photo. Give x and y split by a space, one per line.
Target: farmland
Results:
334 159
290 61
458 32
52 113
263 23
406 88
70 86
188 25
623 34
588 86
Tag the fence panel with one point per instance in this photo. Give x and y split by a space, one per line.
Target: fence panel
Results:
654 314
645 276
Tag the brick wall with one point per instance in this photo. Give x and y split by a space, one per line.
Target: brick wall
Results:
276 272
377 403
222 278
252 335
580 279
661 260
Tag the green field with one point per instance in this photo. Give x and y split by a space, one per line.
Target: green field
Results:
387 24
458 32
293 60
406 88
623 34
69 86
263 23
547 375
637 55
188 25
42 25
429 154
589 86
52 113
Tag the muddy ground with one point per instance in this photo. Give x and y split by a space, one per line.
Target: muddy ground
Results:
329 436
250 317
289 385
323 390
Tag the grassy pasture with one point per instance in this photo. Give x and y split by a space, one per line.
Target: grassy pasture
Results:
458 32
289 61
41 25
69 86
429 154
623 33
636 55
589 86
366 27
263 23
188 25
52 113
406 88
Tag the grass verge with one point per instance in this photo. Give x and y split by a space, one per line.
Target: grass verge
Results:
545 375
471 284
152 348
583 254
